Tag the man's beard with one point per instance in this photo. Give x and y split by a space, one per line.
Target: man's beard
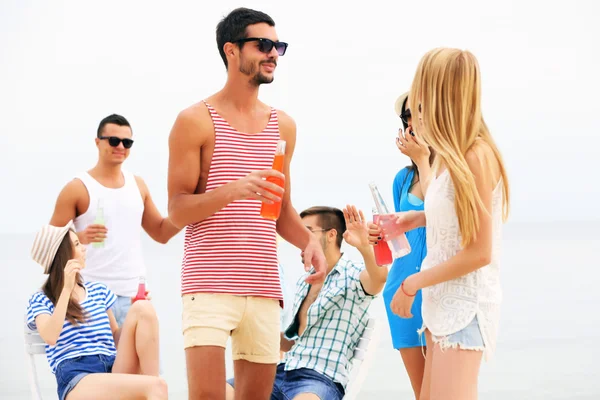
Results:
257 77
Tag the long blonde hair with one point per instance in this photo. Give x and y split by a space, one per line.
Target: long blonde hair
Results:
446 94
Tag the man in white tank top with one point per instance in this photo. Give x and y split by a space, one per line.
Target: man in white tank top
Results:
109 207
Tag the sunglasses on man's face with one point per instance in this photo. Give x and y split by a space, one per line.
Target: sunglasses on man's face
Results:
266 45
115 141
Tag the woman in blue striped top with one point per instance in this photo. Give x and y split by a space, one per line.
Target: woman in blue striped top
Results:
81 334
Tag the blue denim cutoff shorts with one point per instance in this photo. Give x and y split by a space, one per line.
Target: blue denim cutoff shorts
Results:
468 338
70 371
289 384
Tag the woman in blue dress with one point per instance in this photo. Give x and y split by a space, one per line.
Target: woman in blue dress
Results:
409 189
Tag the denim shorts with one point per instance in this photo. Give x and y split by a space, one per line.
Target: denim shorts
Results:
70 371
289 384
468 338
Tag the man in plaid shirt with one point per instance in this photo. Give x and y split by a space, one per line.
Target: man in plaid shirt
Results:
329 318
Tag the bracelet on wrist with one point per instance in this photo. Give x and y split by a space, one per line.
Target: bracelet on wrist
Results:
404 291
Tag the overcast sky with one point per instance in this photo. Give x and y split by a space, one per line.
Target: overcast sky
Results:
64 65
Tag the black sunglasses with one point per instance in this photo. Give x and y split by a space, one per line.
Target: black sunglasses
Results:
115 141
266 45
405 116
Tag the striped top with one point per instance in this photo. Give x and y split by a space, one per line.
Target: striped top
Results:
234 251
90 338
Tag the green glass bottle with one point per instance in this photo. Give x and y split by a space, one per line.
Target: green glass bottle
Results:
100 221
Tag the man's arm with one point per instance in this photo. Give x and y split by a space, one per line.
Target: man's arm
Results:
188 135
286 345
65 210
158 228
289 224
373 277
192 129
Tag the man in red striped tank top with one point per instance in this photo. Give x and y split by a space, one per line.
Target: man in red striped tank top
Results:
221 153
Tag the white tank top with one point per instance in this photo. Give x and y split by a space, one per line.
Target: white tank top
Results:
450 306
120 263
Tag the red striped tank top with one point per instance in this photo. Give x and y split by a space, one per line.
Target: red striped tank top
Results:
234 251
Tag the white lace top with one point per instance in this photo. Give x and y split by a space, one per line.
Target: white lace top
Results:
450 306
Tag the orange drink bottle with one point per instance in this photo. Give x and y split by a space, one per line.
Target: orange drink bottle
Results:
272 211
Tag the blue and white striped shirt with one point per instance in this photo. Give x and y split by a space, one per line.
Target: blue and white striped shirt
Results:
90 338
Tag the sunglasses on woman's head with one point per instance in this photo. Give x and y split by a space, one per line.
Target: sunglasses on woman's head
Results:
266 45
115 141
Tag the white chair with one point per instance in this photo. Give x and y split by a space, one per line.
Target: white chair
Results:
33 345
363 357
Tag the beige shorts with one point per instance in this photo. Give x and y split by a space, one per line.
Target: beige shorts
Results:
252 322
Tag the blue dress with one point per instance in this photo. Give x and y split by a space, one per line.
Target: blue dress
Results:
404 331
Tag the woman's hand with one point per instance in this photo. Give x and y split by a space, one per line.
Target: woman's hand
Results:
374 233
413 146
403 300
394 225
71 270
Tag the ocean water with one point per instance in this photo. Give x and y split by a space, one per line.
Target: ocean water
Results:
548 345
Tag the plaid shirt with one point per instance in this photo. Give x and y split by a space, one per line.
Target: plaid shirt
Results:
335 323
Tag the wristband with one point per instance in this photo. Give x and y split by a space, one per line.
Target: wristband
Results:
404 291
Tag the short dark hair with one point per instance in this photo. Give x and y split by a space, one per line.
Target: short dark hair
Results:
233 27
112 119
329 218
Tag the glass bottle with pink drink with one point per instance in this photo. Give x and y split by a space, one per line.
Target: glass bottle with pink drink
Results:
141 293
383 254
397 241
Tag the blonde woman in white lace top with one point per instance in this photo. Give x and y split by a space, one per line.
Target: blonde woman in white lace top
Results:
465 205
